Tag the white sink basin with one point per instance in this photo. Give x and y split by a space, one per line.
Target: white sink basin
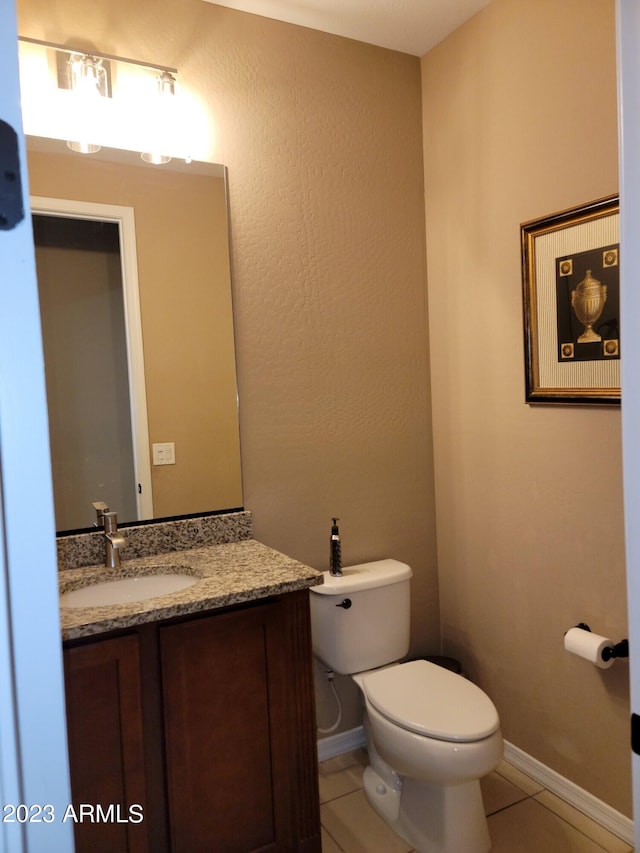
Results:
126 590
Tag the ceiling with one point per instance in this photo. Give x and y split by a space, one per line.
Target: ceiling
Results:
410 26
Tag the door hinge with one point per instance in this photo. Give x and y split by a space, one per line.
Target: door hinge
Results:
11 205
635 733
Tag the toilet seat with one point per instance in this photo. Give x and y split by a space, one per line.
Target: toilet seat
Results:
426 699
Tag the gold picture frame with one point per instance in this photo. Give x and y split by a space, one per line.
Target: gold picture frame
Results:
571 298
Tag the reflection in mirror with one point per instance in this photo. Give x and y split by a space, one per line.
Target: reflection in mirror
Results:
181 257
92 339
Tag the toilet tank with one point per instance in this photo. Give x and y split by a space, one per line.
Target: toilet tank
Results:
361 620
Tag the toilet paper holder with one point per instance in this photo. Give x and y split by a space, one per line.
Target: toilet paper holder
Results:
618 650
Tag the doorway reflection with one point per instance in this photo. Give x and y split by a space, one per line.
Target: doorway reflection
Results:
84 337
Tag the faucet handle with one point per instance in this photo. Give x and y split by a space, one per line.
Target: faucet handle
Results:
110 521
114 540
100 508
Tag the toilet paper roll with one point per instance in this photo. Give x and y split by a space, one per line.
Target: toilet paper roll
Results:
588 645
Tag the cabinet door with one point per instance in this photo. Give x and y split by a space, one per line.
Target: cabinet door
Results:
104 729
228 774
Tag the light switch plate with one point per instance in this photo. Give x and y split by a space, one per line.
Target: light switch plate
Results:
164 454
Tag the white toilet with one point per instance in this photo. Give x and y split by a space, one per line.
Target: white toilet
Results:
431 734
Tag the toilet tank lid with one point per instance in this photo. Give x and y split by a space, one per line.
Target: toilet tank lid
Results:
363 576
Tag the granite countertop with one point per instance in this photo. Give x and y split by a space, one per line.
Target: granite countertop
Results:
230 573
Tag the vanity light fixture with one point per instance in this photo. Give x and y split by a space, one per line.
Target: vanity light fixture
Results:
166 90
88 82
107 91
87 75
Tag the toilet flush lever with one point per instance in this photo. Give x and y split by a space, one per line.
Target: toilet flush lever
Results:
346 603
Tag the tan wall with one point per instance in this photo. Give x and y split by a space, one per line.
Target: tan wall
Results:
322 137
519 122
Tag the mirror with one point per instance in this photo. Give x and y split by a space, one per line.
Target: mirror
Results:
185 306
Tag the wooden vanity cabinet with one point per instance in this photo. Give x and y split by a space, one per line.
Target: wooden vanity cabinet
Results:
105 737
224 732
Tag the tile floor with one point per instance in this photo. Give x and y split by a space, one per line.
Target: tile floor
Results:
523 817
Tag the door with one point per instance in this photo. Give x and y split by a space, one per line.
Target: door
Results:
34 776
628 43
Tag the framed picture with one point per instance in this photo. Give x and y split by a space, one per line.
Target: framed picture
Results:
571 291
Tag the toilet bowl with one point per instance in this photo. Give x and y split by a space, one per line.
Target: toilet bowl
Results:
431 736
431 733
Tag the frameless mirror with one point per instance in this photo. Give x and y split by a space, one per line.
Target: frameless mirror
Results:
135 289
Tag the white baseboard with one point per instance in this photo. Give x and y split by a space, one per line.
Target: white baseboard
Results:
329 747
596 809
605 815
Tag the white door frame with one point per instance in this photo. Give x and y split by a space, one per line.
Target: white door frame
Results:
628 47
33 752
124 218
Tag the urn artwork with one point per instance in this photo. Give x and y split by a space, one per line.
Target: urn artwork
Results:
571 301
587 300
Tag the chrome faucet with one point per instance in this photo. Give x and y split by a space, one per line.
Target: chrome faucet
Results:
100 508
114 540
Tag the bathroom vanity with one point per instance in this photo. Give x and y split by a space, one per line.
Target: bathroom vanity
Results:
195 711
